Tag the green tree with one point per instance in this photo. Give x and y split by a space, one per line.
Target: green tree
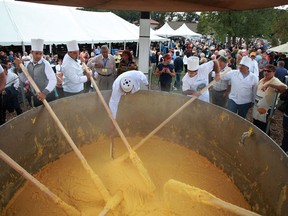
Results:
280 27
187 16
242 24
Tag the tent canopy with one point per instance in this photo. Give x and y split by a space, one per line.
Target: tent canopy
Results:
165 31
21 21
186 32
283 48
168 5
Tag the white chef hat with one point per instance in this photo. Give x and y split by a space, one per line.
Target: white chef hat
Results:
72 46
246 61
193 63
37 45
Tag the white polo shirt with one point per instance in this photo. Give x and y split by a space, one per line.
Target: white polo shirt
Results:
199 81
117 91
243 89
12 79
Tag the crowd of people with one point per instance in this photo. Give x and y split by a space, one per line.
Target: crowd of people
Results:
246 76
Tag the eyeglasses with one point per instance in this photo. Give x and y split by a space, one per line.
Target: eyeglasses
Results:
268 71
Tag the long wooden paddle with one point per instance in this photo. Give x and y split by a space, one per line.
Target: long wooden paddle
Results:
133 156
95 178
198 195
70 210
124 156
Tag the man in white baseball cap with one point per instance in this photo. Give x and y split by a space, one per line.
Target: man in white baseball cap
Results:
74 78
42 73
197 77
126 83
243 88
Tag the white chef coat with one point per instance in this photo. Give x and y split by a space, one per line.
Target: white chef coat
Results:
73 78
243 90
199 81
117 91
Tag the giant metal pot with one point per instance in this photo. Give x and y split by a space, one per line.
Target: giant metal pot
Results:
259 168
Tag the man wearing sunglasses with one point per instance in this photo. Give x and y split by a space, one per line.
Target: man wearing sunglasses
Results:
267 88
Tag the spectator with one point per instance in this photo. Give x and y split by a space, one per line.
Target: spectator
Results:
127 63
10 94
254 65
178 65
2 88
221 89
265 95
153 62
59 76
165 71
262 64
281 72
104 67
26 59
284 146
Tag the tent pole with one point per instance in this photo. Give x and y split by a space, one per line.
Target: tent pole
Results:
144 42
137 49
110 47
23 47
50 49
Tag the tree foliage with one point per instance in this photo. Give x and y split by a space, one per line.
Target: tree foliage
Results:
248 24
279 29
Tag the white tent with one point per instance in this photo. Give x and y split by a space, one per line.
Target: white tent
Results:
283 48
21 21
184 31
165 31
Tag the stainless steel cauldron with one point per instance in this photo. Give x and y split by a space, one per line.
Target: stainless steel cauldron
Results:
259 168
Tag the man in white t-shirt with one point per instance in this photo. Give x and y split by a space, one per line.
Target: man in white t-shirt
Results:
126 83
26 59
254 68
197 77
243 88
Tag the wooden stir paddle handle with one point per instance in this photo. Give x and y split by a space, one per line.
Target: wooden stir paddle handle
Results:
70 210
95 178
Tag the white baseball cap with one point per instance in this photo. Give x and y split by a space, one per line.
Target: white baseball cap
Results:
127 84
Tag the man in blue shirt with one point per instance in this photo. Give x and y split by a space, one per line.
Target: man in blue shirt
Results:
178 64
281 72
